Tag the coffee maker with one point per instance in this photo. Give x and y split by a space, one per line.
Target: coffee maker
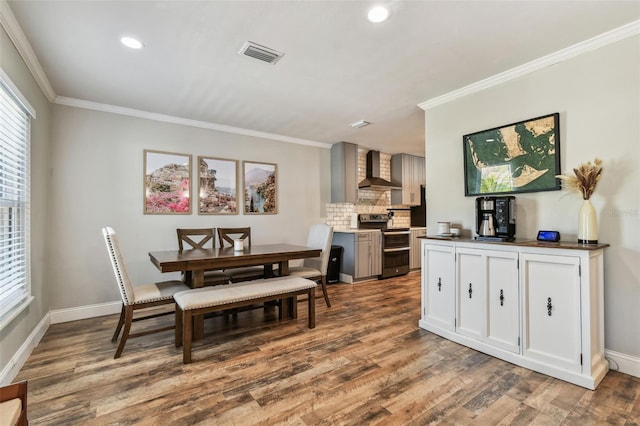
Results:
496 218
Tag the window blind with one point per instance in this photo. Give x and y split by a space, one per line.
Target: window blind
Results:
15 285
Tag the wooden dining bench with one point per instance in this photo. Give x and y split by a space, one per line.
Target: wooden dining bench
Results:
205 300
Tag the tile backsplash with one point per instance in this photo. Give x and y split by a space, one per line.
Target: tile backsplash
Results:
369 200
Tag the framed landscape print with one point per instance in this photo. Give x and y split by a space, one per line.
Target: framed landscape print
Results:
217 186
518 157
260 188
167 180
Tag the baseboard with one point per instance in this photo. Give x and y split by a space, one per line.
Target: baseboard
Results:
84 312
623 363
11 370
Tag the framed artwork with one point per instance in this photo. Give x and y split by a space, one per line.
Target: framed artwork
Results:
260 186
167 180
517 157
217 186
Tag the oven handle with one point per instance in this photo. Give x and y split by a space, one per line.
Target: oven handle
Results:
396 249
396 232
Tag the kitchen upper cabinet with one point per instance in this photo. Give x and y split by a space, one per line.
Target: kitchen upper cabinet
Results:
344 173
410 171
535 305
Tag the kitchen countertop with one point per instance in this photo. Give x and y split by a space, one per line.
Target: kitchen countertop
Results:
523 243
356 231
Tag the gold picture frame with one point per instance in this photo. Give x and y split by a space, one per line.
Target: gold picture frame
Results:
260 187
167 182
217 186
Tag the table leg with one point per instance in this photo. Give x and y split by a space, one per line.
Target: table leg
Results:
284 268
198 320
268 270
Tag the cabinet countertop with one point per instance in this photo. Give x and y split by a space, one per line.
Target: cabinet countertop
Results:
357 231
523 243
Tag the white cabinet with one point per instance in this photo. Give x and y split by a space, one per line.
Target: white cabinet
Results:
438 286
552 303
503 301
487 296
362 255
471 304
409 171
535 305
415 247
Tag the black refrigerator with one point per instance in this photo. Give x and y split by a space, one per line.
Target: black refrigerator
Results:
419 213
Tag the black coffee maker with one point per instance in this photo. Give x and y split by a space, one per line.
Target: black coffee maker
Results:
496 218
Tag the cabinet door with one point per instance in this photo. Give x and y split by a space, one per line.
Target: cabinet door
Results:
551 286
503 326
438 283
416 247
376 253
363 255
471 298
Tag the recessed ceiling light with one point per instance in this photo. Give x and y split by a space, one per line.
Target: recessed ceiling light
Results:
378 14
359 124
131 42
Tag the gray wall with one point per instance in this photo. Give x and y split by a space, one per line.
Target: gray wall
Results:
16 332
598 97
97 180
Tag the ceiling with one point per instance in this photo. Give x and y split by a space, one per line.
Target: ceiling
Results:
338 68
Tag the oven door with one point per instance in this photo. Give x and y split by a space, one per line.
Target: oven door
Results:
395 253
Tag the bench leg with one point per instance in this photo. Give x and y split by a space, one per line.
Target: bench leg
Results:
293 306
311 300
187 336
179 322
284 308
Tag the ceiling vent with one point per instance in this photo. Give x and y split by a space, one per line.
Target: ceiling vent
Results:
261 53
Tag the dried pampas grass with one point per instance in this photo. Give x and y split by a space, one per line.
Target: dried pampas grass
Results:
585 179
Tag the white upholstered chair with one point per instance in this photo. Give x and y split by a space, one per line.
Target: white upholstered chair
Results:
320 236
136 297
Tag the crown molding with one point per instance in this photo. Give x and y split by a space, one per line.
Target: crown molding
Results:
629 30
78 103
19 39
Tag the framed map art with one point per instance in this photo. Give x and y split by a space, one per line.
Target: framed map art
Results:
517 157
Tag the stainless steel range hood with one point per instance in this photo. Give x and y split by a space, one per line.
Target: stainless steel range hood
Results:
373 179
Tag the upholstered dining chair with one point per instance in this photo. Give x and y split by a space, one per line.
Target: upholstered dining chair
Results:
136 297
320 236
226 237
202 238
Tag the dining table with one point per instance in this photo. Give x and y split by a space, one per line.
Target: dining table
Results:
195 262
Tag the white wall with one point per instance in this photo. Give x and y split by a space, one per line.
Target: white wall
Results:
14 335
97 180
598 97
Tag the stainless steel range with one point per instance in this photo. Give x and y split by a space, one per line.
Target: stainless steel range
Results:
395 244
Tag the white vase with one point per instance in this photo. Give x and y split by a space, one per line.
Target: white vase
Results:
587 224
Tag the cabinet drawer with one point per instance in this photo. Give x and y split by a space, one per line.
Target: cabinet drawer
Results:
363 236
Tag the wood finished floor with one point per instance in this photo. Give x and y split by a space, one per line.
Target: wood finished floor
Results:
366 362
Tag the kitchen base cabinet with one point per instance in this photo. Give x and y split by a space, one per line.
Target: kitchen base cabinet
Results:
362 255
415 251
535 305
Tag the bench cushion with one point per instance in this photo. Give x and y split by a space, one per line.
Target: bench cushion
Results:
10 411
232 293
